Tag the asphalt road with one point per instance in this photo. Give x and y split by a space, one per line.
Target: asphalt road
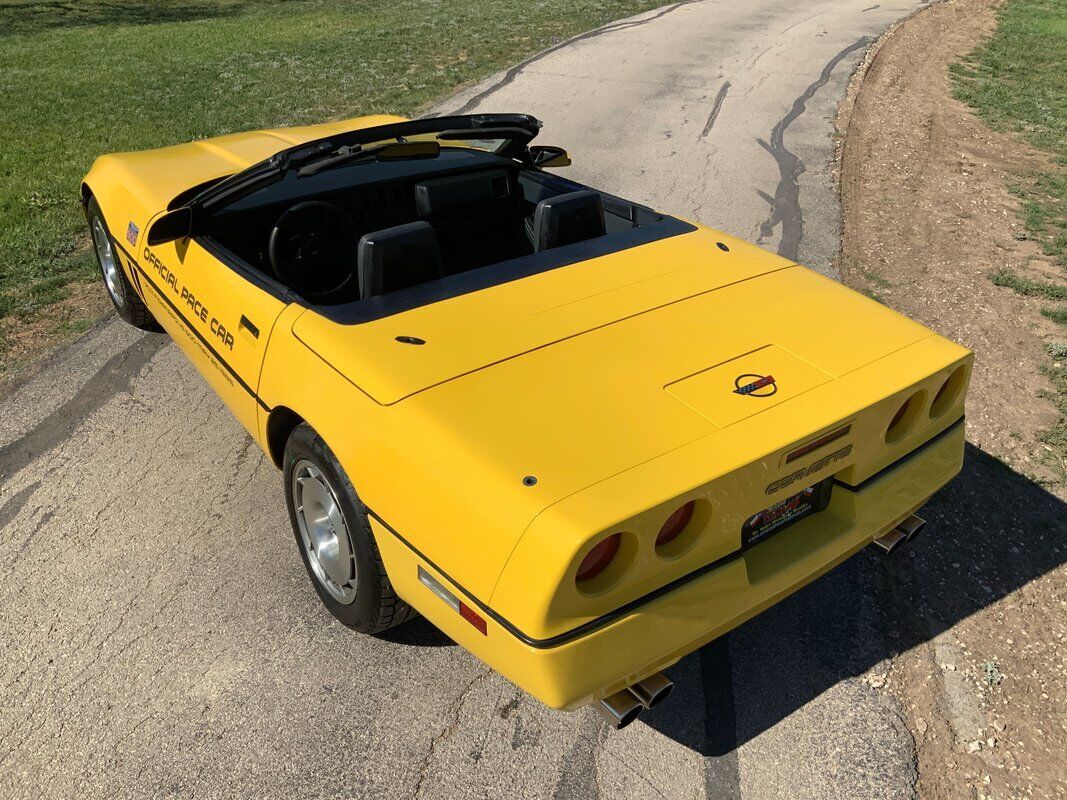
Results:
159 634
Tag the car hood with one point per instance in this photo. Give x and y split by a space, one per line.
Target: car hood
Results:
151 179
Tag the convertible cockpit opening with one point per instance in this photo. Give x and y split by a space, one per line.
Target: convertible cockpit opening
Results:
366 230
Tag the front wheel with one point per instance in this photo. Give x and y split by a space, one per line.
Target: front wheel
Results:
334 538
128 305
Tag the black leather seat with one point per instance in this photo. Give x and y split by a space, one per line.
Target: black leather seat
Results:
568 218
396 258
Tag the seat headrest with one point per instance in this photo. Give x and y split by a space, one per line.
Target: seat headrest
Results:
568 218
396 258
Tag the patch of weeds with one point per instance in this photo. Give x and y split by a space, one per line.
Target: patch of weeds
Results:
991 673
1026 286
873 295
75 327
1055 313
876 279
1055 438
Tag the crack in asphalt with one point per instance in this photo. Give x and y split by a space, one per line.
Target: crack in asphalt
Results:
113 377
715 109
785 205
448 730
613 27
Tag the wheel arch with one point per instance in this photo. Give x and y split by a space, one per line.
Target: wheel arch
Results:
86 193
280 425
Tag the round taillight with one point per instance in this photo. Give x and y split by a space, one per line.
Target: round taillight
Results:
903 419
899 416
949 392
675 524
597 559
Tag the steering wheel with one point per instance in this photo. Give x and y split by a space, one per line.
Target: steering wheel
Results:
313 248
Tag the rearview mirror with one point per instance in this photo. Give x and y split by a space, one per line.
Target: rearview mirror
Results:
176 224
548 156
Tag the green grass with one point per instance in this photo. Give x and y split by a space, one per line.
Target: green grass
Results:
85 77
1055 313
1027 286
1017 80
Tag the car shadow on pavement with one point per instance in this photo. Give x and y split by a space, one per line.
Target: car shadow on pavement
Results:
418 632
990 532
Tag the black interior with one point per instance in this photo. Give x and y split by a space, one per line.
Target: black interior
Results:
352 233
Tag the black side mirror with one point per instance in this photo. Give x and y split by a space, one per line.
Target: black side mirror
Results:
546 155
176 224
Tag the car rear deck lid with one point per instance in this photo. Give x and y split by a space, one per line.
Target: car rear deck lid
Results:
736 389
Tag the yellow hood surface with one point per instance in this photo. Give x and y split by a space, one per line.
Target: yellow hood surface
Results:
144 183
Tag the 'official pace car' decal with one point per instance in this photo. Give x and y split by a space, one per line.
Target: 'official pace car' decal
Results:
763 386
190 301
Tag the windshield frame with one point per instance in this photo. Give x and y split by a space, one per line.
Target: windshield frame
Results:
524 127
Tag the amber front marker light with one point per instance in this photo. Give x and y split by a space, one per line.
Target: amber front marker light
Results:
597 559
675 524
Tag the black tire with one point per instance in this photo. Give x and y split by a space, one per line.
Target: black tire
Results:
375 607
123 296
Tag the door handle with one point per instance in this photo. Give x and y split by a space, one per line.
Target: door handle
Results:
246 323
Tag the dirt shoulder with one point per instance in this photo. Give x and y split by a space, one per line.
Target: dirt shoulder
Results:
927 218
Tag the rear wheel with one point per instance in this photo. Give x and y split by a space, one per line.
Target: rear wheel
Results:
333 534
128 305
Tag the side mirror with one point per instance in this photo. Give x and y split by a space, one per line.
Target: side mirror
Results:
176 224
549 156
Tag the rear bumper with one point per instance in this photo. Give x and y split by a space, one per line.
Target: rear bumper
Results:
669 625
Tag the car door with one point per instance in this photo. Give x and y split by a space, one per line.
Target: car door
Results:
220 316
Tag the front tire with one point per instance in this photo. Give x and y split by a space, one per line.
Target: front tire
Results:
123 296
334 537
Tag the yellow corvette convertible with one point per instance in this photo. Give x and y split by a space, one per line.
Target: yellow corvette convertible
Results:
582 437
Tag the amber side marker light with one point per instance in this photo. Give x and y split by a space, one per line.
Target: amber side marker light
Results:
675 524
453 602
598 559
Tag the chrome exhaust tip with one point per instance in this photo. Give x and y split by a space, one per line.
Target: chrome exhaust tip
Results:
890 541
653 690
620 709
911 526
904 532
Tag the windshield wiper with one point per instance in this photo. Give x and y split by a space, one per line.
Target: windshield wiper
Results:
288 159
339 156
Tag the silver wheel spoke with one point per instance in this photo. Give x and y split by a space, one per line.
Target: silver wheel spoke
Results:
324 534
108 263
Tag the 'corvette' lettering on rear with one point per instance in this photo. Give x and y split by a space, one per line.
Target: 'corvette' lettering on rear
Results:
818 466
197 309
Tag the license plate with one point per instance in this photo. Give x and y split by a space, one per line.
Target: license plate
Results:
785 512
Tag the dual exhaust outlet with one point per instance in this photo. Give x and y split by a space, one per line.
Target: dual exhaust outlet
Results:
905 531
622 708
